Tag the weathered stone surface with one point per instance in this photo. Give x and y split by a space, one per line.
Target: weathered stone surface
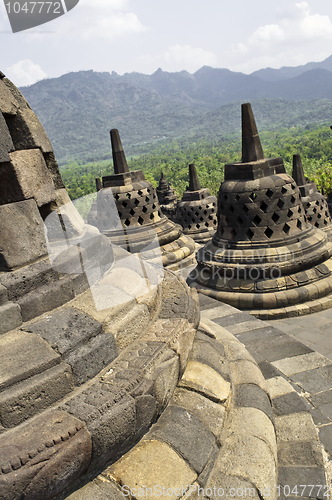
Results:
6 143
296 427
21 234
66 328
186 434
246 372
10 317
224 485
89 359
210 352
250 395
3 295
23 355
43 455
290 403
205 380
26 176
146 411
153 464
306 454
8 103
211 414
34 394
46 298
98 489
302 363
27 131
166 378
313 478
278 386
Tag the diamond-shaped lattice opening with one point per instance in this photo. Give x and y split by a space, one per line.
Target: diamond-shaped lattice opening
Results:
319 216
286 228
239 220
290 213
257 220
201 219
245 209
316 224
231 208
153 206
299 209
293 186
127 222
148 190
309 218
280 203
212 211
116 197
206 224
283 190
269 193
264 206
205 212
197 214
120 214
268 232
144 209
136 202
250 234
299 224
225 196
253 196
317 203
214 204
214 222
275 217
199 208
326 222
140 220
151 216
198 226
128 195
132 212
124 204
140 193
293 199
147 199
315 210
237 197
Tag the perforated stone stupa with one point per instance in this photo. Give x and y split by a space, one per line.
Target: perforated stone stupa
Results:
314 202
142 225
167 198
197 211
265 257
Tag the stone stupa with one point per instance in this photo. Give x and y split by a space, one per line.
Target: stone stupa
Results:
167 198
196 212
265 257
314 202
129 213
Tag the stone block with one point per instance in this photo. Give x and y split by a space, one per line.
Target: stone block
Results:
35 394
8 103
295 427
146 412
302 363
154 465
211 353
10 317
290 403
278 386
46 298
305 454
43 456
325 435
53 168
27 131
22 281
89 359
224 485
246 372
250 395
6 143
72 219
21 234
23 355
312 480
205 380
66 328
186 434
316 380
211 414
98 489
25 177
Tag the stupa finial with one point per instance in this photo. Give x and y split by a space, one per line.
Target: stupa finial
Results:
298 172
251 145
194 184
119 158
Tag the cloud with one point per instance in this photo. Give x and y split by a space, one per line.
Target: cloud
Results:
298 36
97 19
25 72
179 57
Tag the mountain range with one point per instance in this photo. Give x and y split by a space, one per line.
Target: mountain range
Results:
78 109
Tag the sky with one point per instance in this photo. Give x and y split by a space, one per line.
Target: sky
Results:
174 35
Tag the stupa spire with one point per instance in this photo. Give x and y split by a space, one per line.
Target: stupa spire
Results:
194 184
119 158
251 145
298 172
